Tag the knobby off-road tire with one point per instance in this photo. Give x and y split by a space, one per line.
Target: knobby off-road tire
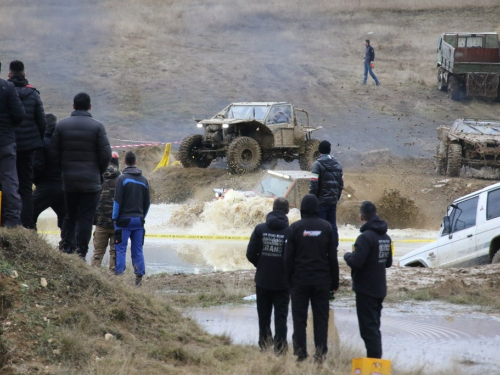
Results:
311 153
187 155
454 159
441 159
243 155
496 258
441 84
454 88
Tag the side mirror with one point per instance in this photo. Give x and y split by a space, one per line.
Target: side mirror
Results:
446 225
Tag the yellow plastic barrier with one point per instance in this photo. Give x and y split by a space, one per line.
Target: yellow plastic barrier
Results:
165 159
371 366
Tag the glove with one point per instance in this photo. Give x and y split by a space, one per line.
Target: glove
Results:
372 65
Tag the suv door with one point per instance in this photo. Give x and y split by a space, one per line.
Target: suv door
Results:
488 224
459 246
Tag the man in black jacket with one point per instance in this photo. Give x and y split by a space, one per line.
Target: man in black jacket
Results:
371 255
312 271
82 146
327 182
368 61
29 137
11 115
265 251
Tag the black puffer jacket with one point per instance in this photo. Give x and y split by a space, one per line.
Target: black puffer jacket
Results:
46 169
81 144
11 112
372 255
266 251
29 134
327 180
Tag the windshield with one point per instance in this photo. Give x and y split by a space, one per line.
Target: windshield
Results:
273 185
479 128
244 112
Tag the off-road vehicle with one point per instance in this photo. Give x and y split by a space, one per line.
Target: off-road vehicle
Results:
252 134
472 143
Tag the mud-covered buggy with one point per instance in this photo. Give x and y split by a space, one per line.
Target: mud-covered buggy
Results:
251 135
471 143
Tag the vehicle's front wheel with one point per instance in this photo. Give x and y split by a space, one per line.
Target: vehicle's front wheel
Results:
188 156
454 88
454 159
441 86
243 155
310 154
441 159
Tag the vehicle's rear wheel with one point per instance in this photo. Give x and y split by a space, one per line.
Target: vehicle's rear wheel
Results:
441 86
310 154
243 155
454 159
453 88
496 258
441 159
188 156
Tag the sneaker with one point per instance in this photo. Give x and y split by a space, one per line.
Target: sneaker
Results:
378 83
138 281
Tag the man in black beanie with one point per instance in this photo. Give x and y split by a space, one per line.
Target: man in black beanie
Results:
312 271
326 184
372 254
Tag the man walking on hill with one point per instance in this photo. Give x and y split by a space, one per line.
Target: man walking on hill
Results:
369 63
29 137
11 115
130 207
312 271
371 255
82 146
266 251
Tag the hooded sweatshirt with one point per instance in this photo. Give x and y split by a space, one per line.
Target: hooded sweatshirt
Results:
104 211
327 180
132 197
311 253
372 255
266 250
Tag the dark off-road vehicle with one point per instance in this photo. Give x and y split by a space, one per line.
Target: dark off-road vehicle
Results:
250 135
472 143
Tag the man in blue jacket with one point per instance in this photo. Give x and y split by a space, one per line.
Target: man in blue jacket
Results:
266 251
130 208
368 61
371 255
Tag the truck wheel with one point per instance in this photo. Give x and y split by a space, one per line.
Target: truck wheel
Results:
441 159
454 88
496 258
454 159
311 153
243 155
188 156
441 86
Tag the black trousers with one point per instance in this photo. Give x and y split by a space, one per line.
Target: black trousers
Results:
24 165
319 296
49 195
266 300
369 310
80 208
9 184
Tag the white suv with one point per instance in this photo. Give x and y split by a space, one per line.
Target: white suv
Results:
469 235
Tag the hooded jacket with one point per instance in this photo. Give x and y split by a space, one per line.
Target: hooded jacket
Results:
104 213
131 195
47 169
371 256
30 132
311 253
369 54
266 250
327 180
82 146
11 112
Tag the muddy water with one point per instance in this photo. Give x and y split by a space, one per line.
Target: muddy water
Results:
429 336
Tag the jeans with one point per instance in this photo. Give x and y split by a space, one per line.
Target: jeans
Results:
369 310
368 69
329 213
24 165
266 300
11 201
135 231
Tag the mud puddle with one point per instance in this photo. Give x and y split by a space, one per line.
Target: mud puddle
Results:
428 336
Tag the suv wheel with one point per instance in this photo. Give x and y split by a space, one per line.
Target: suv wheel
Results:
243 155
441 159
310 154
188 156
454 159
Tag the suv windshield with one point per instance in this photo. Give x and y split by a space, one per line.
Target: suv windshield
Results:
273 185
478 128
244 112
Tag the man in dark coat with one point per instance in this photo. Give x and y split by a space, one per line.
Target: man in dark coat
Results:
371 255
29 137
312 271
326 184
82 146
368 63
11 115
265 251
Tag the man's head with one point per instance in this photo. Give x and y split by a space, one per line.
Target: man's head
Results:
325 147
130 159
51 120
281 204
367 42
115 159
81 102
309 206
16 68
367 211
